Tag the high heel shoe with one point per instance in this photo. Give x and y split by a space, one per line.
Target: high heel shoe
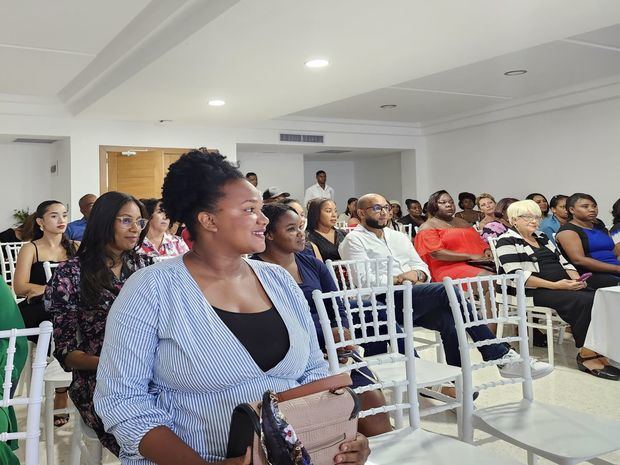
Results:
607 372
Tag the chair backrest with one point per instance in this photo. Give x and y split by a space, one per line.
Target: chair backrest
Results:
463 305
33 401
161 258
408 229
49 270
11 250
341 225
352 274
492 241
364 325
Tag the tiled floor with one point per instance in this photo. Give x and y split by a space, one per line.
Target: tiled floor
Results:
566 386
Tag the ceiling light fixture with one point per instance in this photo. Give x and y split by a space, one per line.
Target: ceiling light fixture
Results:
317 63
217 103
388 106
515 72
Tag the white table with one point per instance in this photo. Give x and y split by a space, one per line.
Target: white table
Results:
604 331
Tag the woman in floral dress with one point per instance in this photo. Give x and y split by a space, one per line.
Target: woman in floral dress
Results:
83 289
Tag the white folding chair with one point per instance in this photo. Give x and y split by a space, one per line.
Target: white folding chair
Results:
352 274
341 225
407 444
162 258
9 258
408 229
55 377
365 325
33 401
533 312
558 434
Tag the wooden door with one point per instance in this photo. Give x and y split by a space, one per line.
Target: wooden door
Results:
140 175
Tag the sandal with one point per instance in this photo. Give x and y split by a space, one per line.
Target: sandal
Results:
607 372
61 420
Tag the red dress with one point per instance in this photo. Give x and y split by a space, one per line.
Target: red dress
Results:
461 240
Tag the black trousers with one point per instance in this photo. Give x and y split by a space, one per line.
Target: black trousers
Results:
574 307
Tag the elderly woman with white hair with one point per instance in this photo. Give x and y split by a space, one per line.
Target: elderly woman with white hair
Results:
550 280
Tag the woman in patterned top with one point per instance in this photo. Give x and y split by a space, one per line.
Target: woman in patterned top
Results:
83 289
158 241
500 225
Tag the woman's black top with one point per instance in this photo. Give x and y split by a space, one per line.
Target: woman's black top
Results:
328 250
264 335
550 267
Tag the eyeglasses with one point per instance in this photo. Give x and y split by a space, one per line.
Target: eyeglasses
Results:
378 208
530 218
127 222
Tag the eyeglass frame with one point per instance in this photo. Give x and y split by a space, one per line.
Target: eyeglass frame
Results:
530 218
136 222
387 208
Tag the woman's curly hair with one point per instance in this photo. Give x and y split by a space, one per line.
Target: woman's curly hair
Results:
194 184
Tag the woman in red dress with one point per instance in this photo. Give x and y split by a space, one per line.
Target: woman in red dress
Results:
450 245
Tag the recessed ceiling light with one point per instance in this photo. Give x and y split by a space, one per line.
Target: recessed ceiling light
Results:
389 106
217 103
515 72
317 63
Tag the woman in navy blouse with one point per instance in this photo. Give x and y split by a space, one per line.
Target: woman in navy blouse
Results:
190 338
285 242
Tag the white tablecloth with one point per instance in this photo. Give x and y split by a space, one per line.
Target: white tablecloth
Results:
604 332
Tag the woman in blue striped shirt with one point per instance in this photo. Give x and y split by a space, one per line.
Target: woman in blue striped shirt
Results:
190 338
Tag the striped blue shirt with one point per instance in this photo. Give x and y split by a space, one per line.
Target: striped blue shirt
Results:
168 359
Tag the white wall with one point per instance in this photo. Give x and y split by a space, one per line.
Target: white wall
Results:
380 175
340 175
575 149
284 170
25 181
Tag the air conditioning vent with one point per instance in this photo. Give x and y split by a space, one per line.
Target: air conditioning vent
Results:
27 140
308 138
333 151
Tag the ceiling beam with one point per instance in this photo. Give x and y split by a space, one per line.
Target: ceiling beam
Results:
161 26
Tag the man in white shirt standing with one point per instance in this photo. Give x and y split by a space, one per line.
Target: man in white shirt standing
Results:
320 190
431 307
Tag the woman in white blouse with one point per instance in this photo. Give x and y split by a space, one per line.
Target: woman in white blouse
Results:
190 338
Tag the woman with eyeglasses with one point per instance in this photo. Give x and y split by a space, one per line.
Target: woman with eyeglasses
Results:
49 244
158 242
448 243
83 289
322 216
585 241
550 280
190 338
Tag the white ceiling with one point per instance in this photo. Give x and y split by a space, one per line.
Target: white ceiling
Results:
43 45
550 66
162 59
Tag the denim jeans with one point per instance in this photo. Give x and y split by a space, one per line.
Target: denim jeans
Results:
431 310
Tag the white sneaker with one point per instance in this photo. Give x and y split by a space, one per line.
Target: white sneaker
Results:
515 370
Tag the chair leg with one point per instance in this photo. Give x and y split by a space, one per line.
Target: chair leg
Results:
76 439
458 383
441 355
398 392
530 330
550 353
561 333
49 422
532 459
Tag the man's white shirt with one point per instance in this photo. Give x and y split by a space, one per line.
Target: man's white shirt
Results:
317 192
361 244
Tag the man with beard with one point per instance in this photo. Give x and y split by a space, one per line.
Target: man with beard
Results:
371 240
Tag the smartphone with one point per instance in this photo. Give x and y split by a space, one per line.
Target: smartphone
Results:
584 277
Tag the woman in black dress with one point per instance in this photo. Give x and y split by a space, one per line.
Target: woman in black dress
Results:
322 216
551 280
